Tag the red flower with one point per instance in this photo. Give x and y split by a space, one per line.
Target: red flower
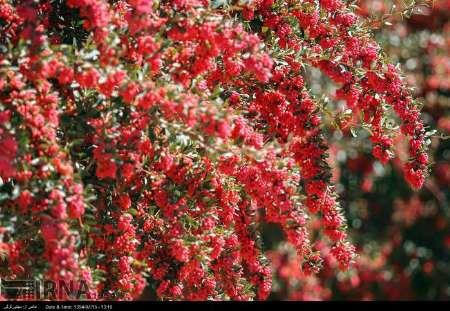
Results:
88 78
415 177
8 150
130 92
124 202
106 168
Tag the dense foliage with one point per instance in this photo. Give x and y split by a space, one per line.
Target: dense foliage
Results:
151 144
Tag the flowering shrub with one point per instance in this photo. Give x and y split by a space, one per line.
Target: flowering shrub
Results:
147 143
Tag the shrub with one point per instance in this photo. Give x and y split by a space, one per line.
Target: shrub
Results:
148 142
